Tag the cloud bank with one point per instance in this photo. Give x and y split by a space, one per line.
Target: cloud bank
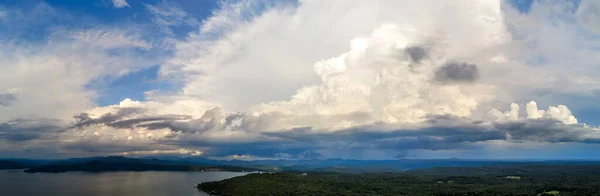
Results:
323 79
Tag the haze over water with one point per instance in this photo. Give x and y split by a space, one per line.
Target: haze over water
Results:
16 182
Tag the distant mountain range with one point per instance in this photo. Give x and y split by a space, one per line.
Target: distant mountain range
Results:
358 166
21 163
117 163
9 164
166 163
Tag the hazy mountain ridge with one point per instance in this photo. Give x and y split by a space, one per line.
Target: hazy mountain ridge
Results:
357 166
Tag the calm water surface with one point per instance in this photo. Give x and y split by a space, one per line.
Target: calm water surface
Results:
15 182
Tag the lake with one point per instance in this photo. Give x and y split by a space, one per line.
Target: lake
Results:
15 182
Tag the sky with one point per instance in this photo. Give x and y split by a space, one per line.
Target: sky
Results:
300 79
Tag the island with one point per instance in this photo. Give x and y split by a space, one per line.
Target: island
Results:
116 163
10 164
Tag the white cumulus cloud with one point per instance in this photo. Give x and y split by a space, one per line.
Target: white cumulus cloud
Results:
120 3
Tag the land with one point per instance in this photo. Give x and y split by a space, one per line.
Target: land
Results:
21 163
486 180
165 163
355 177
110 164
8 164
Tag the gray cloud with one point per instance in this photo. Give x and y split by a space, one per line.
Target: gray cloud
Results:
455 72
547 130
27 129
117 120
415 53
123 119
436 137
135 122
229 119
442 133
193 126
210 120
7 99
310 155
437 133
84 119
91 146
261 147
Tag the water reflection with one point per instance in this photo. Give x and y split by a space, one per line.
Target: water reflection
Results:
15 182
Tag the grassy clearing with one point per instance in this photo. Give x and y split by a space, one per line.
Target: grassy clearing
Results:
513 177
554 192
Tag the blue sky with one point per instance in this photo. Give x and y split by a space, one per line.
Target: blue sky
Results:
87 14
260 79
522 5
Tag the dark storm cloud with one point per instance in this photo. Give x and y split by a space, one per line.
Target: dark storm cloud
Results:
135 122
91 146
299 141
261 147
416 53
7 99
436 137
193 126
457 72
229 119
547 130
24 130
127 118
84 119
210 120
121 119
442 133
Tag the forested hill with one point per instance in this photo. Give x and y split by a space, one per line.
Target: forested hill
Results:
9 164
513 180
